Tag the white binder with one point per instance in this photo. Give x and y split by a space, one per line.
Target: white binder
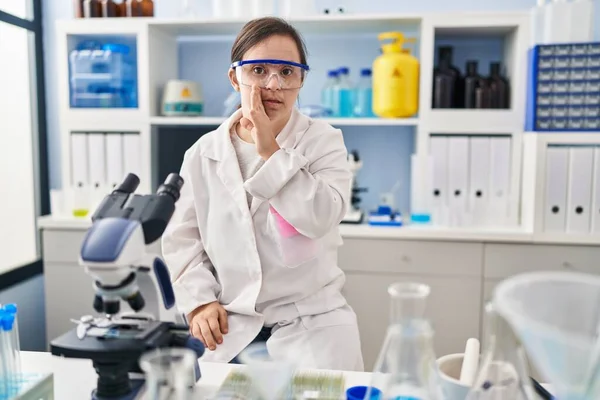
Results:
500 169
557 176
458 179
114 160
79 156
595 210
97 160
479 179
132 162
439 202
579 200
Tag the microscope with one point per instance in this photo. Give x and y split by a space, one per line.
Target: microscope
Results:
355 214
114 254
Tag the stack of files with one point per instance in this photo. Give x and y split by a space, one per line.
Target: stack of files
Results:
572 190
471 181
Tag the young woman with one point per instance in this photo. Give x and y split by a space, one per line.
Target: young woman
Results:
252 246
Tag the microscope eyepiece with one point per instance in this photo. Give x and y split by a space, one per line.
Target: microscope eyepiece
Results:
129 184
172 186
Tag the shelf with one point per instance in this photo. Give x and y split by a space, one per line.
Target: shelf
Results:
316 24
215 121
487 122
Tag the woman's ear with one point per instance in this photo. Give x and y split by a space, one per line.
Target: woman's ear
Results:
233 80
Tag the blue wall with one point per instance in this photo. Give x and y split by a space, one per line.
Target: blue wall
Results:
385 150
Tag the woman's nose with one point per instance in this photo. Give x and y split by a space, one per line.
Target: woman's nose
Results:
273 83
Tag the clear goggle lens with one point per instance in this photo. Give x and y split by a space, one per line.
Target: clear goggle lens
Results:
266 74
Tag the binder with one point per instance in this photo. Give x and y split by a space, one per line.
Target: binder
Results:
479 179
132 162
557 176
97 160
114 160
439 192
595 210
80 180
579 199
500 169
458 179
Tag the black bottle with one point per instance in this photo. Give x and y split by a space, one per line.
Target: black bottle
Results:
472 81
446 81
483 96
499 87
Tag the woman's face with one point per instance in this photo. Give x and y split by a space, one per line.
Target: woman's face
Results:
278 103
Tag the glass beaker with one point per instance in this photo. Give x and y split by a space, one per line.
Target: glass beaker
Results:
170 373
405 368
503 373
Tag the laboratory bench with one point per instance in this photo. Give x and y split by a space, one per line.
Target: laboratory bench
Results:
461 266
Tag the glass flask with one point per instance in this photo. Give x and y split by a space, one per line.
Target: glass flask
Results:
503 373
405 368
170 373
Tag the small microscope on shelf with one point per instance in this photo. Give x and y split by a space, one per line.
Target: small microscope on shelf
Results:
355 215
114 254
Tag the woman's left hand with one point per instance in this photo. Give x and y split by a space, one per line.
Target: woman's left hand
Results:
260 126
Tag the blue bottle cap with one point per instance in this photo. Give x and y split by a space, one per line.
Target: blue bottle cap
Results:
8 320
360 392
344 70
116 48
365 72
332 73
11 308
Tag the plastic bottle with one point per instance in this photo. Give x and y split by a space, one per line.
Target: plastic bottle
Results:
395 79
343 96
499 87
405 368
472 81
363 105
327 93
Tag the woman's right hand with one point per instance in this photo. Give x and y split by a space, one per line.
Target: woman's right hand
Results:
209 323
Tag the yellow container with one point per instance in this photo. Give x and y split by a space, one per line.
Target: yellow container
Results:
395 79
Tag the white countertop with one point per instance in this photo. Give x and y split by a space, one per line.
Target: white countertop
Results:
75 378
409 232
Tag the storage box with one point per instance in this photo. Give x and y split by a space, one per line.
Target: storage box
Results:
564 88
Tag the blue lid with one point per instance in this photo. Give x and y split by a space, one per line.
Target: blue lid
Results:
8 320
360 393
365 72
344 70
332 74
116 48
11 308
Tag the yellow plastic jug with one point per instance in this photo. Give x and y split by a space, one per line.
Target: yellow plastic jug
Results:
395 79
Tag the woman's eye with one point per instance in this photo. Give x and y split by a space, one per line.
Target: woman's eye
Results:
258 70
287 72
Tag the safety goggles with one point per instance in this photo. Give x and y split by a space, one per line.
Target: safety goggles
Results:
289 75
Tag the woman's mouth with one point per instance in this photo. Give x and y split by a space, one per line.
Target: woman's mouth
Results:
272 103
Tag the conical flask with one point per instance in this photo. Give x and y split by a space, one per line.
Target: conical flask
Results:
406 366
503 374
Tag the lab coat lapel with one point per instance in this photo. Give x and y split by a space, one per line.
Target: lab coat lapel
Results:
228 169
287 139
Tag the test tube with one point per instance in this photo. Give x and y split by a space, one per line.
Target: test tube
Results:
7 355
11 309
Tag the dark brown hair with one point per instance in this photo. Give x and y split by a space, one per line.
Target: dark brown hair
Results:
260 29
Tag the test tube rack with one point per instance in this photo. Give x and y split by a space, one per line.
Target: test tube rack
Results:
32 386
564 88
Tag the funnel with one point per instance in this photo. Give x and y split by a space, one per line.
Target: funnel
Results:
269 377
556 315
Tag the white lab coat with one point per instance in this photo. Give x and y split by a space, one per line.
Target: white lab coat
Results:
217 248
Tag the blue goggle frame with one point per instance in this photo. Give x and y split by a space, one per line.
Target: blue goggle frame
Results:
270 61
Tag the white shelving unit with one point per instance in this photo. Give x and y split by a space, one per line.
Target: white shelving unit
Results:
157 60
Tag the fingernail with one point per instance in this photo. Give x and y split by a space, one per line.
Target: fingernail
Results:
220 341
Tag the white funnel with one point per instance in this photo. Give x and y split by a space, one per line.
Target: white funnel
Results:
556 315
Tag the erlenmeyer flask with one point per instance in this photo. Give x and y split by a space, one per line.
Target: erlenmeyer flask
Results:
170 373
406 366
503 373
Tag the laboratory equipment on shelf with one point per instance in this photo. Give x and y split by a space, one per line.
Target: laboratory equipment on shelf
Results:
182 98
556 315
363 97
499 87
395 79
103 76
406 366
448 82
421 188
113 8
355 214
503 372
343 99
474 84
328 91
10 362
114 254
